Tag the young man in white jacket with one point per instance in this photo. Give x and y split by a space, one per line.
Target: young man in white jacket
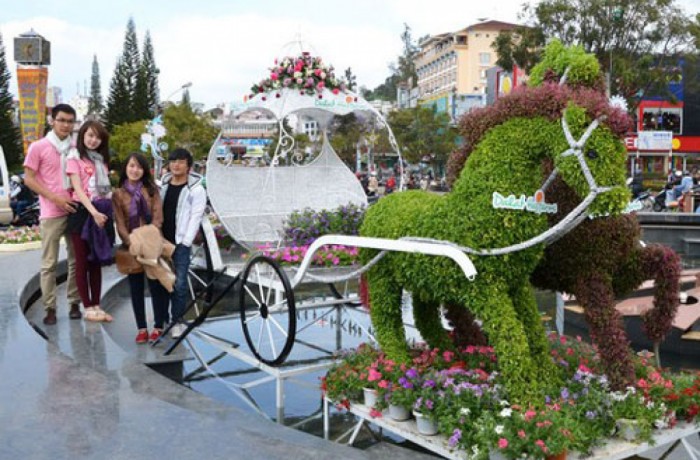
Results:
184 202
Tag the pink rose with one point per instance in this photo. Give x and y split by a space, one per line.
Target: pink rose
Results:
502 443
274 76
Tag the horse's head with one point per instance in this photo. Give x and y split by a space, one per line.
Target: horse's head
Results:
592 162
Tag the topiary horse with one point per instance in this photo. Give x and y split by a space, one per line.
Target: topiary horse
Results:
600 259
508 161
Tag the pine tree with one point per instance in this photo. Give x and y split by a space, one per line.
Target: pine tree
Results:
185 98
146 94
119 101
10 138
95 106
120 104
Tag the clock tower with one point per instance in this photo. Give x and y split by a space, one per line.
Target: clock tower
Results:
33 55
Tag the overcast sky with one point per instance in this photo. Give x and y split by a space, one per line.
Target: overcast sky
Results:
222 47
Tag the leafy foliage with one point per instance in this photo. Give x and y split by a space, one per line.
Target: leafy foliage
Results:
125 139
188 130
423 131
500 296
10 137
95 105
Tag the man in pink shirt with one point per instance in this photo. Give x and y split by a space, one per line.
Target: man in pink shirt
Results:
45 174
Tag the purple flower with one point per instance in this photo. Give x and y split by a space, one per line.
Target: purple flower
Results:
547 400
429 384
412 373
565 393
406 383
590 414
456 436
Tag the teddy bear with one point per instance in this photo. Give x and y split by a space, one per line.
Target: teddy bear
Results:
154 253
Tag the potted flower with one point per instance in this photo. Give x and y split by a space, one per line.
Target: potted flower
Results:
344 382
635 414
426 405
403 395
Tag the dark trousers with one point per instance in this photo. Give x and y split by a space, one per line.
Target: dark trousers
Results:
159 300
88 275
181 291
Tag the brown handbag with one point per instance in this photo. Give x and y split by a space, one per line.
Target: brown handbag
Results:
126 262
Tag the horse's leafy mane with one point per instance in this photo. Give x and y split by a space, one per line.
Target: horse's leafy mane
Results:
548 100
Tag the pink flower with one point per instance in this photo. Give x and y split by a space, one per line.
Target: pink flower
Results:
320 85
375 413
530 414
521 434
336 90
383 384
374 375
274 76
502 443
541 445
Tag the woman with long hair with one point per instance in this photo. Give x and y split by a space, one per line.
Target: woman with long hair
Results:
91 231
137 202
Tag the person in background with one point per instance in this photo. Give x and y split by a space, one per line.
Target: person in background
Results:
88 172
45 175
137 202
20 197
184 202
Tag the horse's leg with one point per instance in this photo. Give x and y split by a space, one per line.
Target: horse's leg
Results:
595 294
385 298
525 306
426 314
506 334
664 265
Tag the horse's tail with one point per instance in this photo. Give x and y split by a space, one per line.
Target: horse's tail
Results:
664 265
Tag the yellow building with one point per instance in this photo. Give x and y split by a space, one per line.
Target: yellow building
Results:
451 67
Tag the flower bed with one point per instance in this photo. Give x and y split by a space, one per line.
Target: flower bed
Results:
464 393
305 73
19 235
327 256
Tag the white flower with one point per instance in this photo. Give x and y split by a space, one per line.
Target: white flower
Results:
504 403
465 411
499 429
506 412
475 449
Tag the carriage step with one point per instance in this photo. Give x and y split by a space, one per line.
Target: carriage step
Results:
692 335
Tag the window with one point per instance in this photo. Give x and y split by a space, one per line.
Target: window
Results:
663 120
484 58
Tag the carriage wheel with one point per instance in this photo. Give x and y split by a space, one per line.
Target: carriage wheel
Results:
200 272
268 312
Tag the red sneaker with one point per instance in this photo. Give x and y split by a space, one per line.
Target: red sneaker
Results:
142 336
155 335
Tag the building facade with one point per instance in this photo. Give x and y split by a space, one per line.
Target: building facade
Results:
451 67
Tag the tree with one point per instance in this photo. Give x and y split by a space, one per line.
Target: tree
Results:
638 41
146 91
188 130
121 106
95 105
422 131
346 133
126 138
10 137
350 78
405 71
520 47
186 98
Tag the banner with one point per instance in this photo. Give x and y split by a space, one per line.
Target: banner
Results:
32 103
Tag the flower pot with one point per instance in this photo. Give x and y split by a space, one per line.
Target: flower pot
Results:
370 397
559 456
425 425
399 413
627 429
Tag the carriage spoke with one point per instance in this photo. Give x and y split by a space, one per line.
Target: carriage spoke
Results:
252 318
259 280
252 296
260 334
278 306
278 325
272 341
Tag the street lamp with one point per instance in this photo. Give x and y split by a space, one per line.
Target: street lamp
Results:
181 88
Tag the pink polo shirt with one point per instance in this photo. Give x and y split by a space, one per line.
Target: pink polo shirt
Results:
85 169
45 161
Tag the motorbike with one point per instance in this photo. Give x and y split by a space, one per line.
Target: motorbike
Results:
646 200
29 216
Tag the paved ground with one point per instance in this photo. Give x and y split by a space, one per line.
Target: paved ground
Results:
79 395
84 394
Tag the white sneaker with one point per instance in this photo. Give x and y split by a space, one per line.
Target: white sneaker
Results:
177 331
